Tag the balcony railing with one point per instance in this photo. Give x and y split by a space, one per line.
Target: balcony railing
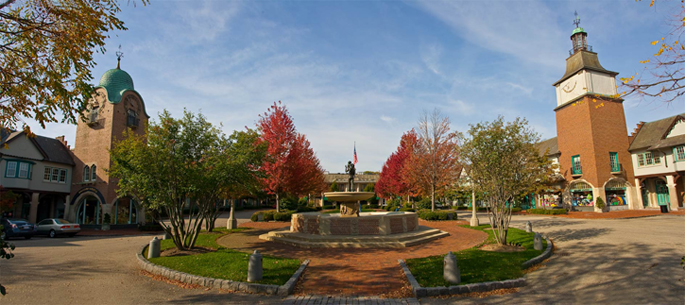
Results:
577 170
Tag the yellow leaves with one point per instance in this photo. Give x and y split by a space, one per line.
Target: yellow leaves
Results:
600 105
661 50
655 42
644 61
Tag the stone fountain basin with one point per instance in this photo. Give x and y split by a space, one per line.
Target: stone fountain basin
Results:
374 223
348 196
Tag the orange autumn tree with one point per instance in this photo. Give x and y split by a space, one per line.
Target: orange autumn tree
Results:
434 163
290 166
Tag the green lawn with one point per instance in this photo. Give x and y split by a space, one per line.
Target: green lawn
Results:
226 263
476 265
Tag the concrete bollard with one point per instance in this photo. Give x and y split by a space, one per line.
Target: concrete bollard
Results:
450 271
153 250
254 267
167 235
537 242
529 227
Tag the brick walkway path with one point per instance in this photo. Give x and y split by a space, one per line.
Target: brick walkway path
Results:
117 232
358 272
323 300
615 215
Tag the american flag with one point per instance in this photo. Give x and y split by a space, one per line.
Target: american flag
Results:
355 154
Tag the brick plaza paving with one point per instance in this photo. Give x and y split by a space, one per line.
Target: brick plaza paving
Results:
336 300
354 271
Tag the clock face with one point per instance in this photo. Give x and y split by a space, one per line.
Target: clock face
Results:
570 86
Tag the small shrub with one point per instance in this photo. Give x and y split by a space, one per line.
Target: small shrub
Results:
269 215
515 210
407 210
442 215
283 216
306 209
424 203
255 216
327 207
547 212
599 203
108 219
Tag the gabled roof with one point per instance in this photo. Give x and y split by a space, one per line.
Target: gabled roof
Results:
52 149
550 144
652 135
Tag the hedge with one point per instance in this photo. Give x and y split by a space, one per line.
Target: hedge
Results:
328 207
547 212
407 210
270 215
437 215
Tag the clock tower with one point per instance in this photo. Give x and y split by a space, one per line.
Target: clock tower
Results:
591 126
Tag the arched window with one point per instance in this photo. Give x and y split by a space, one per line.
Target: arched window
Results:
86 173
93 171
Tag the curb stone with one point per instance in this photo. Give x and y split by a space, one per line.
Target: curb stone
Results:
475 287
283 290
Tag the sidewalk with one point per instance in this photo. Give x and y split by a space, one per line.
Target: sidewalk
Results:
613 215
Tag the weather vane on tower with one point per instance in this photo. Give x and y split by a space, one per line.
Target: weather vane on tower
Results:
577 20
119 56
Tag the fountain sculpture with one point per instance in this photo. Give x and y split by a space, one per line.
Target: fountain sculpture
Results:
350 228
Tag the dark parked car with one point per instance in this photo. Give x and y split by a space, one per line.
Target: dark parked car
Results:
55 226
17 228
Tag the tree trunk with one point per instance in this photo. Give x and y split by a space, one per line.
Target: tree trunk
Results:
278 204
433 197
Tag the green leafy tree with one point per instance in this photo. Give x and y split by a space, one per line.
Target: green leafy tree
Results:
334 187
236 171
177 168
504 163
46 56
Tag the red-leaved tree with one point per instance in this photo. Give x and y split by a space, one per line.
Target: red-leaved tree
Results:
392 181
434 166
291 167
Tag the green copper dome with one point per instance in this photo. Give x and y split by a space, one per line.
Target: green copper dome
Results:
116 82
578 30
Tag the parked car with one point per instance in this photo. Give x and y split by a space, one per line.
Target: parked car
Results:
17 228
56 226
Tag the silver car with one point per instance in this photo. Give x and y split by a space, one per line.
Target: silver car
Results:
55 226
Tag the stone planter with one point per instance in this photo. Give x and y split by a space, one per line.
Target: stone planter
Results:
105 227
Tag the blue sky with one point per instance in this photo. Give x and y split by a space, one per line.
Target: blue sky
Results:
364 71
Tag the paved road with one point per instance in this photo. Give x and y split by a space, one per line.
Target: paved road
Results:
628 261
609 261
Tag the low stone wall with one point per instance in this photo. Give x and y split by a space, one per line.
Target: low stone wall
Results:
188 278
475 287
378 223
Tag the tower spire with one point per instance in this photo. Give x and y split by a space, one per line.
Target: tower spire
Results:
119 56
579 37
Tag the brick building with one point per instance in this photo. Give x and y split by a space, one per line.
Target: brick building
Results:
115 107
592 147
54 181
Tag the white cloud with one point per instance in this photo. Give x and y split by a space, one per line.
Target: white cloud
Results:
387 119
430 55
506 27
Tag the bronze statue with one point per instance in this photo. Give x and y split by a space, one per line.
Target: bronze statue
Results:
349 168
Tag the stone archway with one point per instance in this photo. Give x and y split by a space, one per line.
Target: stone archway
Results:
579 195
619 194
127 210
87 208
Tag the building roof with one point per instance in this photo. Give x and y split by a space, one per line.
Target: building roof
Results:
578 30
52 149
583 60
550 144
342 178
116 82
652 135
